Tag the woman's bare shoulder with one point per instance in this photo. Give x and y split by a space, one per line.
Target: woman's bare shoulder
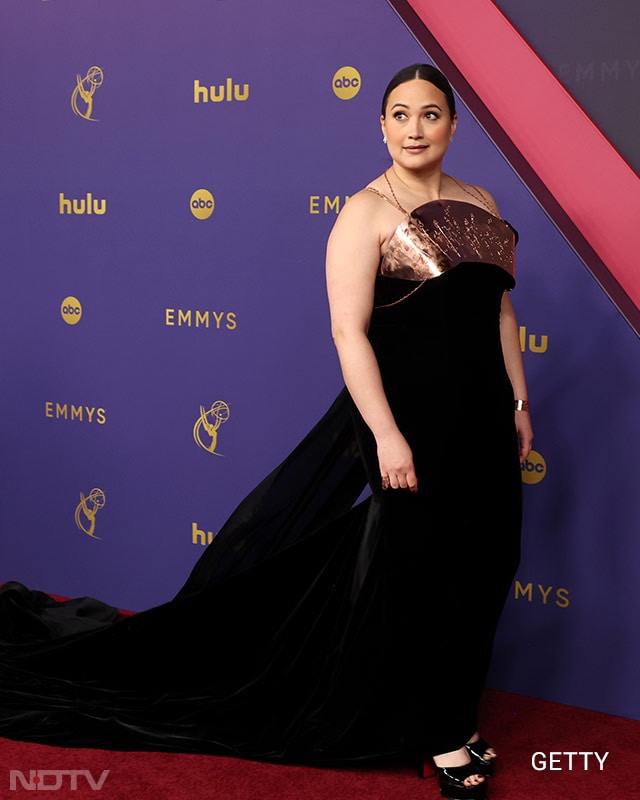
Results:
372 195
369 205
469 192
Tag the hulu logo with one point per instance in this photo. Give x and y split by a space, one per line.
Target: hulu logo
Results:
200 537
227 91
85 205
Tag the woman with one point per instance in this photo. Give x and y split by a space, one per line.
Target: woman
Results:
300 634
429 349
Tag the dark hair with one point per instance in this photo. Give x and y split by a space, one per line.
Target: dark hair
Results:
423 72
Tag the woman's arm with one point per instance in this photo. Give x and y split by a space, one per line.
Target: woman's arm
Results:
509 335
353 256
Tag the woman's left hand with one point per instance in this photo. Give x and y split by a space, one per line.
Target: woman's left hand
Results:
525 433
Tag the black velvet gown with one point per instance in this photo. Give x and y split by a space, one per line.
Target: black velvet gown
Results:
313 630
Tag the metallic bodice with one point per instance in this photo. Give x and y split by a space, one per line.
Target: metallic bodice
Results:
441 234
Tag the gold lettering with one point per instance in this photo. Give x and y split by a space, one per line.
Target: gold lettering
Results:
331 205
72 412
65 205
524 590
201 319
227 90
314 204
200 93
199 536
216 96
334 204
563 598
238 95
88 205
544 594
535 348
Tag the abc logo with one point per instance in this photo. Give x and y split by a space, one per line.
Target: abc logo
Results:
534 468
202 204
71 310
346 83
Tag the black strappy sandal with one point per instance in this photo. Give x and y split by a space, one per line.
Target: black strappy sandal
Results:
477 750
452 783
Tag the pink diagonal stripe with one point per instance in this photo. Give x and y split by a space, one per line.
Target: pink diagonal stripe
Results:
594 185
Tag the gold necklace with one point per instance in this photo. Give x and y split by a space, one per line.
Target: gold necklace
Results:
401 181
475 195
393 194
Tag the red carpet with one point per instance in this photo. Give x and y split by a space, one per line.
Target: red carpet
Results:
519 726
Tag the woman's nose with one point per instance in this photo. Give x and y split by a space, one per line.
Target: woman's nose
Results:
415 130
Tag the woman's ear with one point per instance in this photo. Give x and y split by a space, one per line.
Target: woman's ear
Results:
383 129
454 125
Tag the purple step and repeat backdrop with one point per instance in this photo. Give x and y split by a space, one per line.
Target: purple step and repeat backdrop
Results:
170 175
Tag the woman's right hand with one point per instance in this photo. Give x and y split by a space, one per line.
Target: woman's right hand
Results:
353 260
395 458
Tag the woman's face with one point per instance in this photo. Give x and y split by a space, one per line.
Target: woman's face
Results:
418 125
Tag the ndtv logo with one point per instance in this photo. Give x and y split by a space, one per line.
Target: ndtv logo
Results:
51 780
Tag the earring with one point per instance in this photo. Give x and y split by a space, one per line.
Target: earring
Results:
384 139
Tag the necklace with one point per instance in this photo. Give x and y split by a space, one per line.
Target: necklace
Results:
393 194
476 195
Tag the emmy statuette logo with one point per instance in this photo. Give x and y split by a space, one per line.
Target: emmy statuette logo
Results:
205 431
87 509
82 96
